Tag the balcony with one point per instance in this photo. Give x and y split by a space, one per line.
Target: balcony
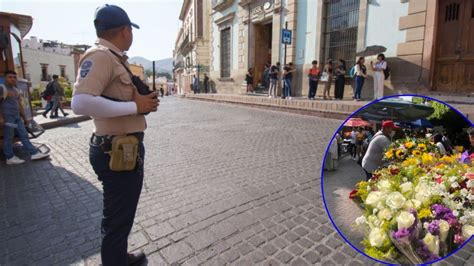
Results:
219 5
186 45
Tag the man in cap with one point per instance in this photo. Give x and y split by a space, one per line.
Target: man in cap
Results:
104 91
377 146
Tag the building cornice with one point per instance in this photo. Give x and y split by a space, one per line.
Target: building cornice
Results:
225 18
184 8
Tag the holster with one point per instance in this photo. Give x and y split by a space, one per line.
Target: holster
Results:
124 153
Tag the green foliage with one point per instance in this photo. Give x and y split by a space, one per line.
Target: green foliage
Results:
36 94
440 110
36 104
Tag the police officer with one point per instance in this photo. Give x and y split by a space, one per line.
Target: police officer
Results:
104 91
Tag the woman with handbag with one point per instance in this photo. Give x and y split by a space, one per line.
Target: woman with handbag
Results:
327 77
360 75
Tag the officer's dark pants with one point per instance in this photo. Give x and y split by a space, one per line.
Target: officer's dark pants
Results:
121 194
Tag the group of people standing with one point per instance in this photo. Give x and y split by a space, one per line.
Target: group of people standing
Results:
332 72
338 74
270 79
54 95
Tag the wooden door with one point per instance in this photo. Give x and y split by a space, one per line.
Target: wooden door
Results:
454 63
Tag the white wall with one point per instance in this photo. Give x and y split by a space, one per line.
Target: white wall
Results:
34 59
382 24
306 31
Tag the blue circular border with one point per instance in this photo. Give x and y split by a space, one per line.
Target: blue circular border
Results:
324 162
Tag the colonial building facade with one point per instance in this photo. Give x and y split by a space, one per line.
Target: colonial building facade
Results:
429 43
191 53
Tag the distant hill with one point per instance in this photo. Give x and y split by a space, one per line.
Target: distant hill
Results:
163 65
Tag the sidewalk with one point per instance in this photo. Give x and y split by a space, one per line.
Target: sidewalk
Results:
319 107
322 108
48 123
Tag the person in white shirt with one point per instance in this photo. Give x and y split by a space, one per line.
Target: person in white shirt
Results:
373 158
438 140
379 76
352 147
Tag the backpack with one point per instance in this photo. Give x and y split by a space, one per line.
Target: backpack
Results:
386 72
49 91
352 72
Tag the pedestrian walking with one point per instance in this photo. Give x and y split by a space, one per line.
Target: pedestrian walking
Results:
47 95
58 98
162 91
287 79
313 77
380 142
340 80
249 80
379 75
352 144
274 72
206 83
195 84
328 77
14 120
109 95
360 75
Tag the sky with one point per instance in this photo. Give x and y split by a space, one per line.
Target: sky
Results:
71 22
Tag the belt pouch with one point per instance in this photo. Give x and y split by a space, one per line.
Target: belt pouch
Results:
124 153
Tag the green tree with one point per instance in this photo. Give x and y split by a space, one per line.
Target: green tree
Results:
440 109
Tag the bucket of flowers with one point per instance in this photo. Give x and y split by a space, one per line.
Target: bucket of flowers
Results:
419 207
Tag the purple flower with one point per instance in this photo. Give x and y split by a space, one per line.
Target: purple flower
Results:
439 210
442 212
425 254
403 232
433 227
465 157
458 239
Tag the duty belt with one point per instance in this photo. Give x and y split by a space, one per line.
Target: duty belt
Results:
105 142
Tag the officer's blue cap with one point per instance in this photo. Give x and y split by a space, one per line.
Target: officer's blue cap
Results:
110 16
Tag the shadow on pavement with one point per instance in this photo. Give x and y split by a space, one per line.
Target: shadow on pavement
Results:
48 215
337 186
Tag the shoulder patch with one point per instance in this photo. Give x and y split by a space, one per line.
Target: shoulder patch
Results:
85 68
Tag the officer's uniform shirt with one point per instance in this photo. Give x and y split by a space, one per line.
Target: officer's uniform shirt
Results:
101 73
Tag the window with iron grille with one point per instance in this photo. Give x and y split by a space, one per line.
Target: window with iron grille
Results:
225 53
340 35
44 72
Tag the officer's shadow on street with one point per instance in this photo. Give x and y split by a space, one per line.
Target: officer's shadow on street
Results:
48 215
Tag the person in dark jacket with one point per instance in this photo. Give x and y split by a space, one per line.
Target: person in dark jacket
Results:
340 80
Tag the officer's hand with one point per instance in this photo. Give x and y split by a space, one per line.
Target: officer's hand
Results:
146 103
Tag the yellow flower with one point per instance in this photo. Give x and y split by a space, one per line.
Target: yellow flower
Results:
399 153
409 162
459 148
389 154
409 145
427 159
448 159
424 213
416 152
422 147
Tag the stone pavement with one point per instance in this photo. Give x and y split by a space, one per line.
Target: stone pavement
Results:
224 184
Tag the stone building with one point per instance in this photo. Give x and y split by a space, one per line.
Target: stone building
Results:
428 42
43 59
191 52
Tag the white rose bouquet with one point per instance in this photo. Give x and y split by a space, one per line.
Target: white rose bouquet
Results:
419 208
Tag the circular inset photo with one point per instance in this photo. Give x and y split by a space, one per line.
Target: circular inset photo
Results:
398 180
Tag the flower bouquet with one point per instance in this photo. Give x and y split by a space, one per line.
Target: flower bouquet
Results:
419 208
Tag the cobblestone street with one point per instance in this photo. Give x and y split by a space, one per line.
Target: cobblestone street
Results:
223 184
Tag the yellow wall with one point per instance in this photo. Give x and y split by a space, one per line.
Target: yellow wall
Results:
138 70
